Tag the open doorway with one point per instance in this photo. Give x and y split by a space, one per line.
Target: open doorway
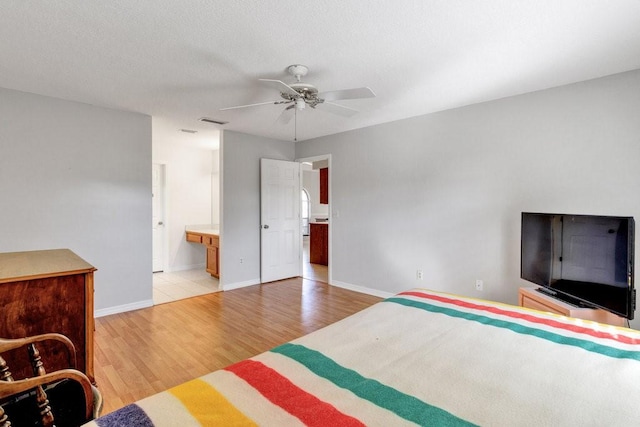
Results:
315 223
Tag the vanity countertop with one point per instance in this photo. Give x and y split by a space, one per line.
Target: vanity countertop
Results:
209 231
201 229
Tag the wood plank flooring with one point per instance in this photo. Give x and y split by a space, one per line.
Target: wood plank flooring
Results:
312 271
146 351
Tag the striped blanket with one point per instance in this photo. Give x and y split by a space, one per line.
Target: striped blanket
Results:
419 358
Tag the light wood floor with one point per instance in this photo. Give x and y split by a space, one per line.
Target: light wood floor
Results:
312 271
142 352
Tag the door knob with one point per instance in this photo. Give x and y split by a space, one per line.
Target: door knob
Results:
160 223
265 226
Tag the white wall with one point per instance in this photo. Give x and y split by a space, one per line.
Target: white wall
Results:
215 187
191 194
444 192
240 204
311 182
77 176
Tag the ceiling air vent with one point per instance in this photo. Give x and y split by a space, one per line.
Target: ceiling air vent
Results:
215 122
188 131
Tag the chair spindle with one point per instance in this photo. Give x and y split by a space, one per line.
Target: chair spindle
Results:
41 396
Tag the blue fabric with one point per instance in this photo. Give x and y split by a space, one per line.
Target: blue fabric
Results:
130 415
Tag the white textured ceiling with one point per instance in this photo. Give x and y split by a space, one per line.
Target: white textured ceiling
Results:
179 60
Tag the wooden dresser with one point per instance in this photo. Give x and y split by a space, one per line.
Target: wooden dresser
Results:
48 291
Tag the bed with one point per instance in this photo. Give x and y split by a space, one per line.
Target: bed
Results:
419 358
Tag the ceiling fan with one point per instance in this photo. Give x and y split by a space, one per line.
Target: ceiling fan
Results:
297 96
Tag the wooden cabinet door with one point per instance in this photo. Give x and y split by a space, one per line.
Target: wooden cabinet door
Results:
212 261
324 186
319 244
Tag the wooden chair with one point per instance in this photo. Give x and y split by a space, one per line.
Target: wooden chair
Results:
65 397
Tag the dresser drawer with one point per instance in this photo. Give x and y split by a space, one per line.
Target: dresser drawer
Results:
195 238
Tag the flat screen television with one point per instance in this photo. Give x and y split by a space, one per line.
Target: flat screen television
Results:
585 260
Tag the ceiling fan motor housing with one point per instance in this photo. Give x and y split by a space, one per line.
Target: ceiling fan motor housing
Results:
307 92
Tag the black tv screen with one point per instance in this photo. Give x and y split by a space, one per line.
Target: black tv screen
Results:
586 260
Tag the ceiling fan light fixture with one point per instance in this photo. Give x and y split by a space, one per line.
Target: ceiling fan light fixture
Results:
300 104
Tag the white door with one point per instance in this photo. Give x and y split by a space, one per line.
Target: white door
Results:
157 192
280 235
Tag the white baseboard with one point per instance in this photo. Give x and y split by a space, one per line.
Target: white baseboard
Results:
238 285
123 308
361 289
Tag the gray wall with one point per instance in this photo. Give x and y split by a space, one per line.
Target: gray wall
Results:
444 192
77 176
240 204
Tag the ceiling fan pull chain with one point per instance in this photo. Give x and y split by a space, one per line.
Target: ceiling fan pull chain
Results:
295 125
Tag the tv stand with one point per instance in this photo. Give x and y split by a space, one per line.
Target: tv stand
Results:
565 298
540 300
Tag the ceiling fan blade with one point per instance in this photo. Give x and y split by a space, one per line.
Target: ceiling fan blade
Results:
334 95
281 86
337 109
286 115
251 105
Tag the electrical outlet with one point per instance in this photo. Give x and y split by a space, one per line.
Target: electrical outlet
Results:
419 274
241 260
479 285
